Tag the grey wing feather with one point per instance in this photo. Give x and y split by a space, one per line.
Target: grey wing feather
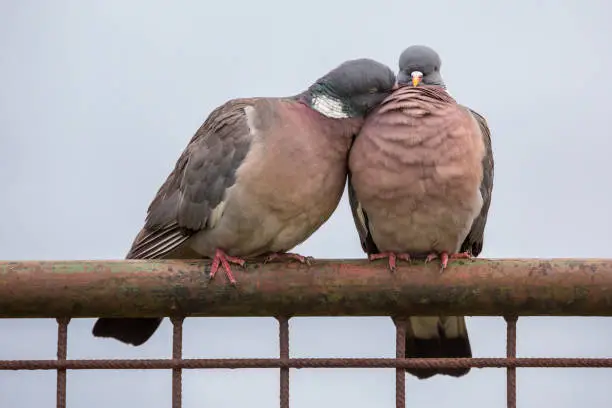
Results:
473 243
198 183
361 221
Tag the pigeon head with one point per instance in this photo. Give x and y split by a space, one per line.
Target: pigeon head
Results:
420 64
352 89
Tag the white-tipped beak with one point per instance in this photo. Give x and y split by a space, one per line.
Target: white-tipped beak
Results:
417 77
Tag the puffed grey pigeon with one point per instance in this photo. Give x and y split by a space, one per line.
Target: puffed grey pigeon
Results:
259 177
420 182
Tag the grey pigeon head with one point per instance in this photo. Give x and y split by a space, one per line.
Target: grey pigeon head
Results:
422 62
352 89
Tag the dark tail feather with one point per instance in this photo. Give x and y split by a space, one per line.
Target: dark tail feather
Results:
437 337
134 331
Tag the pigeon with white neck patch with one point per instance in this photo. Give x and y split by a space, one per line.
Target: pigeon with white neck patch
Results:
258 178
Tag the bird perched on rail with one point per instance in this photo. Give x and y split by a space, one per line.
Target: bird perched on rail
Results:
420 182
258 177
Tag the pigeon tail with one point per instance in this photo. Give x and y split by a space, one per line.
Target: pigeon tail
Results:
437 337
134 331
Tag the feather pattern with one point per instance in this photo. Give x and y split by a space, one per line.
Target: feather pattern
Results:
198 184
395 107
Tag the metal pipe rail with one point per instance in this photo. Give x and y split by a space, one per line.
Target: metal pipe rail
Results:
141 288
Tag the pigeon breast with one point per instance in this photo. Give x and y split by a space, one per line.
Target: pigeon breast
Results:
416 170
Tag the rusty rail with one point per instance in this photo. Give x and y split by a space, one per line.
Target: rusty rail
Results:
328 288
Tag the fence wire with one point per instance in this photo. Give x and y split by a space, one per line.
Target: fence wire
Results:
177 364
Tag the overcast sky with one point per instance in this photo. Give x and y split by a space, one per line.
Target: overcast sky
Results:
98 99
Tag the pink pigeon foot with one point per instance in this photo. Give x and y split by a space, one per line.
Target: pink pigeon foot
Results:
392 258
224 260
444 257
288 255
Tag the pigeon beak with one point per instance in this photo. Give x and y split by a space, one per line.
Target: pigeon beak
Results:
417 77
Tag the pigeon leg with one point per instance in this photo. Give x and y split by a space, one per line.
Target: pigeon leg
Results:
392 258
222 259
288 255
444 257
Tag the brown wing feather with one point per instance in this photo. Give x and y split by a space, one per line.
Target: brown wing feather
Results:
361 221
474 241
204 171
184 203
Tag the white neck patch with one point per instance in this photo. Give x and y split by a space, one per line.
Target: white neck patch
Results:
328 106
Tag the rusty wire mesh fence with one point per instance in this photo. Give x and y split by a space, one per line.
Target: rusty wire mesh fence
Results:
562 287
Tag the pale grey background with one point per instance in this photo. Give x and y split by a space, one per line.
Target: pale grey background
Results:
98 98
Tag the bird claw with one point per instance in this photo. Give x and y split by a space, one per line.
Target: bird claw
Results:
393 257
221 259
431 257
445 257
307 260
